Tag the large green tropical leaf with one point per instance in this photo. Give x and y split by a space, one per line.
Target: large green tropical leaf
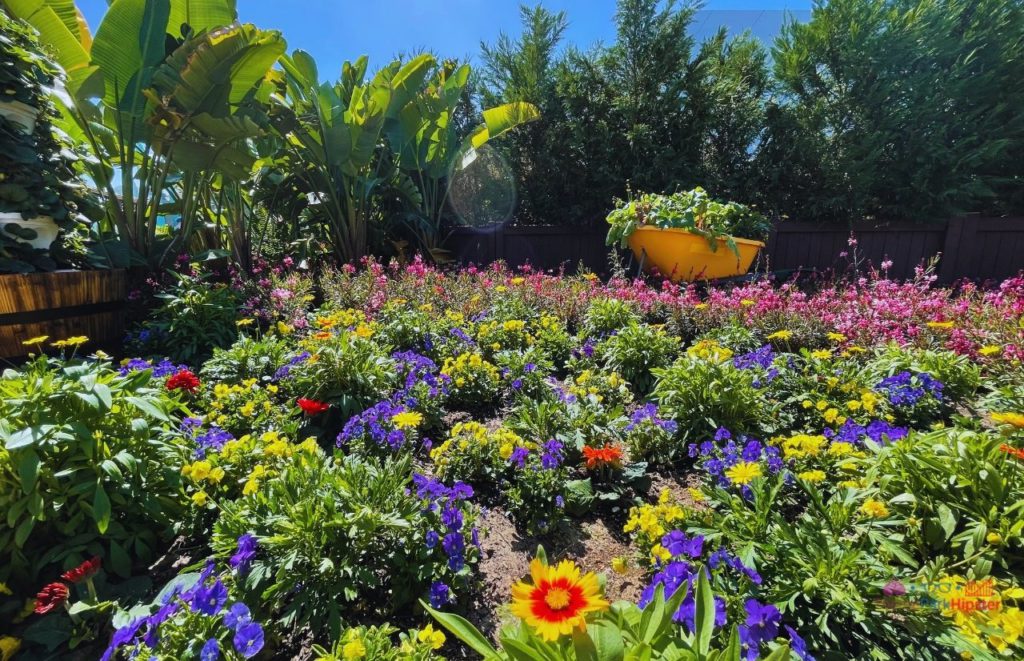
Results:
201 15
129 45
59 28
214 71
408 81
501 119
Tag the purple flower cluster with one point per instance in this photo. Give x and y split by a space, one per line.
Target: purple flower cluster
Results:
679 543
762 358
722 558
444 499
906 389
414 368
160 370
878 431
244 553
461 335
681 575
285 370
760 626
553 455
376 422
649 413
207 596
212 439
717 460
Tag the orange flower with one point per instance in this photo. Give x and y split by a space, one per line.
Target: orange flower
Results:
1012 451
559 599
609 455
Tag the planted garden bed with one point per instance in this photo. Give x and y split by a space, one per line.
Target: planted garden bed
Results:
400 453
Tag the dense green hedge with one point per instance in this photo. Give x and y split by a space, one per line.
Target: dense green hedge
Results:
874 108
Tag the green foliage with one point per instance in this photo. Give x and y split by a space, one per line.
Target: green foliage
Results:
958 486
82 470
147 109
352 525
703 394
377 643
864 127
38 174
607 315
648 109
693 211
622 631
634 351
248 358
196 317
349 372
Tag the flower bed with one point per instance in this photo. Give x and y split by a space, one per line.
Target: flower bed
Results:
771 472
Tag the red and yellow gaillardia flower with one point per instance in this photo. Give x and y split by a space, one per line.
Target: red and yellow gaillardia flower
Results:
558 600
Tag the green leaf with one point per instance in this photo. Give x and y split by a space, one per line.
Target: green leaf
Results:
101 508
105 396
120 561
148 408
23 531
129 45
583 646
608 641
462 629
947 520
200 15
705 615
780 653
51 20
28 470
28 436
500 119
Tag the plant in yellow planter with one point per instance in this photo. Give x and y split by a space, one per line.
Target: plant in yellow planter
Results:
683 235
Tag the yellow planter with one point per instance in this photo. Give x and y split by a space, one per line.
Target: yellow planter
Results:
680 255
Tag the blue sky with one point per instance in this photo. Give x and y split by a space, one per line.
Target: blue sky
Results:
337 30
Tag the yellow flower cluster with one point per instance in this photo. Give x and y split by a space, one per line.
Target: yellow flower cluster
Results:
837 414
469 369
799 446
245 401
407 419
709 350
254 457
340 319
984 611
76 341
498 335
471 449
1009 419
599 387
875 509
649 523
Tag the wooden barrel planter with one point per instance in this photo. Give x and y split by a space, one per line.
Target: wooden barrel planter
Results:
61 304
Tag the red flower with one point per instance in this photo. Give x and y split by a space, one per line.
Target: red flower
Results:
1012 451
183 380
311 406
50 597
609 455
83 571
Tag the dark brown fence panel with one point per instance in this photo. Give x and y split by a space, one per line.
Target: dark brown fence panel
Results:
806 246
972 247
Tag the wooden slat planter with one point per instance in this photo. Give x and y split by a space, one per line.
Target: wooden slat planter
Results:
61 304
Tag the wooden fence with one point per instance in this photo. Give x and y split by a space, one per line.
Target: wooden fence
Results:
971 247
